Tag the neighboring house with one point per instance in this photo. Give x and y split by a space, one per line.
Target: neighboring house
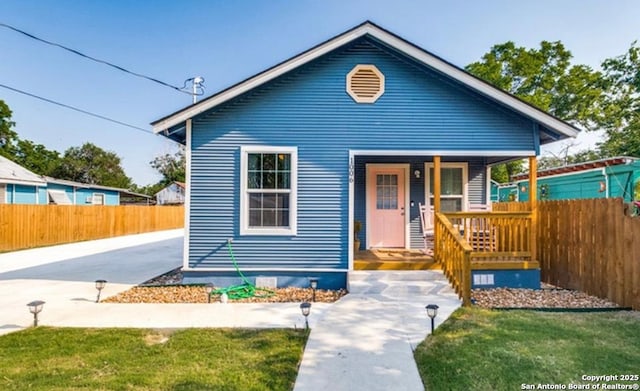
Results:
65 192
19 185
172 194
605 178
284 162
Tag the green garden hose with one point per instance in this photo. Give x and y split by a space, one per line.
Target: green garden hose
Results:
242 291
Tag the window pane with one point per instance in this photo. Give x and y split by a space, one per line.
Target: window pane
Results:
269 200
284 218
268 161
283 180
282 201
254 180
269 218
255 201
269 180
451 204
255 161
393 179
255 218
451 181
379 179
284 162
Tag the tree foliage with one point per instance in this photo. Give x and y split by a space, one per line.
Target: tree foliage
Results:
36 157
171 167
7 135
93 165
621 118
545 78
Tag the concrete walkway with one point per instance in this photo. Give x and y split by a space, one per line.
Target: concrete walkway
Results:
366 340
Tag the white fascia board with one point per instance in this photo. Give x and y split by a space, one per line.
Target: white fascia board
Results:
391 40
22 182
382 152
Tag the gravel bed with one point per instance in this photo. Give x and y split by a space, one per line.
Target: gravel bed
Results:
537 298
168 288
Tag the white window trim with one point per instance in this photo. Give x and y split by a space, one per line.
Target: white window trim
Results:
93 198
293 195
465 179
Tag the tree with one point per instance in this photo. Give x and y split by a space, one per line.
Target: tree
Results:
172 167
545 78
8 136
36 157
621 117
93 165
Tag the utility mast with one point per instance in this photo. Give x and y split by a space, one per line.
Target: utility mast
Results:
197 85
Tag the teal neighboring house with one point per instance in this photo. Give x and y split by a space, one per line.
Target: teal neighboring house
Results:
605 178
357 128
21 186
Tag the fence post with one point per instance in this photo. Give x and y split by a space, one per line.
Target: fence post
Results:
533 205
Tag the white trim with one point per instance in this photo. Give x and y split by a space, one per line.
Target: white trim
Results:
407 188
187 196
465 179
434 152
487 186
389 39
265 269
293 192
350 240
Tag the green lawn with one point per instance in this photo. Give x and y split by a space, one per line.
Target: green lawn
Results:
502 350
46 358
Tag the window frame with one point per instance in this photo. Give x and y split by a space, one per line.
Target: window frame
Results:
465 183
245 229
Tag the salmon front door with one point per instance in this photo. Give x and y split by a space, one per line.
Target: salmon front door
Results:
386 206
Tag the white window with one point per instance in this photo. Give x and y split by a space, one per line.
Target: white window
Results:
268 203
97 199
453 186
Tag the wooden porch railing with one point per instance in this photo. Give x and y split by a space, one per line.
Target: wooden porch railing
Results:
466 241
495 236
454 254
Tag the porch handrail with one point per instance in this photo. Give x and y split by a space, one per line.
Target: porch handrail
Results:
495 234
454 254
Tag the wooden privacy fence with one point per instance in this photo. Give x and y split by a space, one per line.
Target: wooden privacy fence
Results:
26 226
589 245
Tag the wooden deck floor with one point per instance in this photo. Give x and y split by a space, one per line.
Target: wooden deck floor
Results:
394 259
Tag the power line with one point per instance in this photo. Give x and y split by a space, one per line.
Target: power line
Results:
103 61
76 109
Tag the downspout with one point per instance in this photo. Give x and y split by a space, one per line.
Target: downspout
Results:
606 182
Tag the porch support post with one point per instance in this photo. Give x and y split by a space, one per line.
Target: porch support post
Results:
436 184
533 204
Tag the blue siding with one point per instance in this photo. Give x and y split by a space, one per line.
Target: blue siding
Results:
310 109
476 188
25 194
43 197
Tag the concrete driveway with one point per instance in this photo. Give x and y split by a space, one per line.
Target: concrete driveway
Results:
66 273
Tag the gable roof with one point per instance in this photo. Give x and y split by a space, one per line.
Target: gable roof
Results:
553 127
12 172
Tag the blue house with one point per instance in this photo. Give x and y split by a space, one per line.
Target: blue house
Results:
19 185
363 127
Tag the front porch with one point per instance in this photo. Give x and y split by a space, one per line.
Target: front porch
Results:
476 248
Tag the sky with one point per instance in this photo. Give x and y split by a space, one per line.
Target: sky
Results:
227 41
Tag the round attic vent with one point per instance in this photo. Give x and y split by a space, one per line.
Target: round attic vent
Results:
365 83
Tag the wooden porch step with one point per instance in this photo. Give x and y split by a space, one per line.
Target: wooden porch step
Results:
428 264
